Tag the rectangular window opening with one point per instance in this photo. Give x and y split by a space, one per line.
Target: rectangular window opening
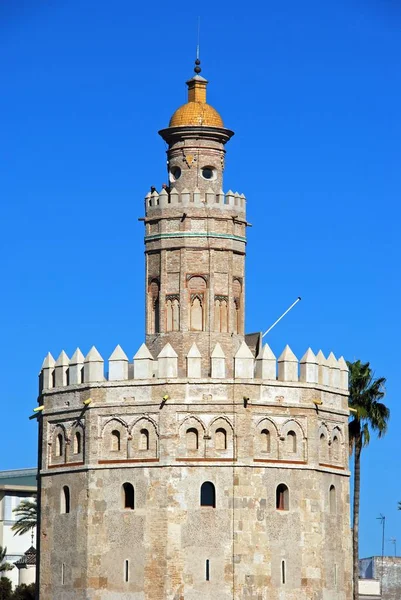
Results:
283 572
126 571
207 570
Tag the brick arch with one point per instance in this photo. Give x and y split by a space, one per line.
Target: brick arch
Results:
323 445
221 434
116 420
76 447
266 444
187 444
144 438
292 440
58 446
336 445
113 439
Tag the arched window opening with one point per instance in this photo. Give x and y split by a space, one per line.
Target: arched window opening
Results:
237 292
282 497
153 300
67 376
291 441
115 441
208 494
53 378
221 314
196 322
144 440
192 439
65 500
221 439
266 443
82 375
77 442
172 313
128 496
197 289
59 445
335 448
332 500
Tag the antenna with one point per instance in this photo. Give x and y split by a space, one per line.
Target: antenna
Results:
283 315
393 541
198 40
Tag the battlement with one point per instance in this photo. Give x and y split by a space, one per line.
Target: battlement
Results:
230 200
311 369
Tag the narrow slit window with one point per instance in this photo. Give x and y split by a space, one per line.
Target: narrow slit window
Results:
221 439
144 439
128 496
115 441
265 440
332 500
126 571
82 375
208 494
62 574
65 500
67 377
291 442
283 574
77 442
207 570
335 575
59 445
192 439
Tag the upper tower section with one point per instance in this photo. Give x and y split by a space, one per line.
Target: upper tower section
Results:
196 137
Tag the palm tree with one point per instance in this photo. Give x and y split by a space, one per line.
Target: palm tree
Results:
4 566
27 513
367 414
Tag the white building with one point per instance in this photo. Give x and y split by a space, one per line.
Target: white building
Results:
15 486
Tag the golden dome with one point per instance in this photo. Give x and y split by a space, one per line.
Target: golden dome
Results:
196 113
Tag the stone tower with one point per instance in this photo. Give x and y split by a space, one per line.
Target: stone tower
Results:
195 240
206 468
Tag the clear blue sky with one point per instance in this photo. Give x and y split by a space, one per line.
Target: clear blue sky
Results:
313 92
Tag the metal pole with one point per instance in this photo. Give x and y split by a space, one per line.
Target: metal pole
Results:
283 315
382 519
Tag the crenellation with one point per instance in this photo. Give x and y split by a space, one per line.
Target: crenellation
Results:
265 367
143 363
309 367
93 366
266 364
118 365
244 363
47 372
287 365
76 367
156 202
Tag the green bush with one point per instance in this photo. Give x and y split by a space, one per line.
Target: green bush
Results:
5 589
24 592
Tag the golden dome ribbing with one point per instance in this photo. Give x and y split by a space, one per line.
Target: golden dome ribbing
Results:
196 112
